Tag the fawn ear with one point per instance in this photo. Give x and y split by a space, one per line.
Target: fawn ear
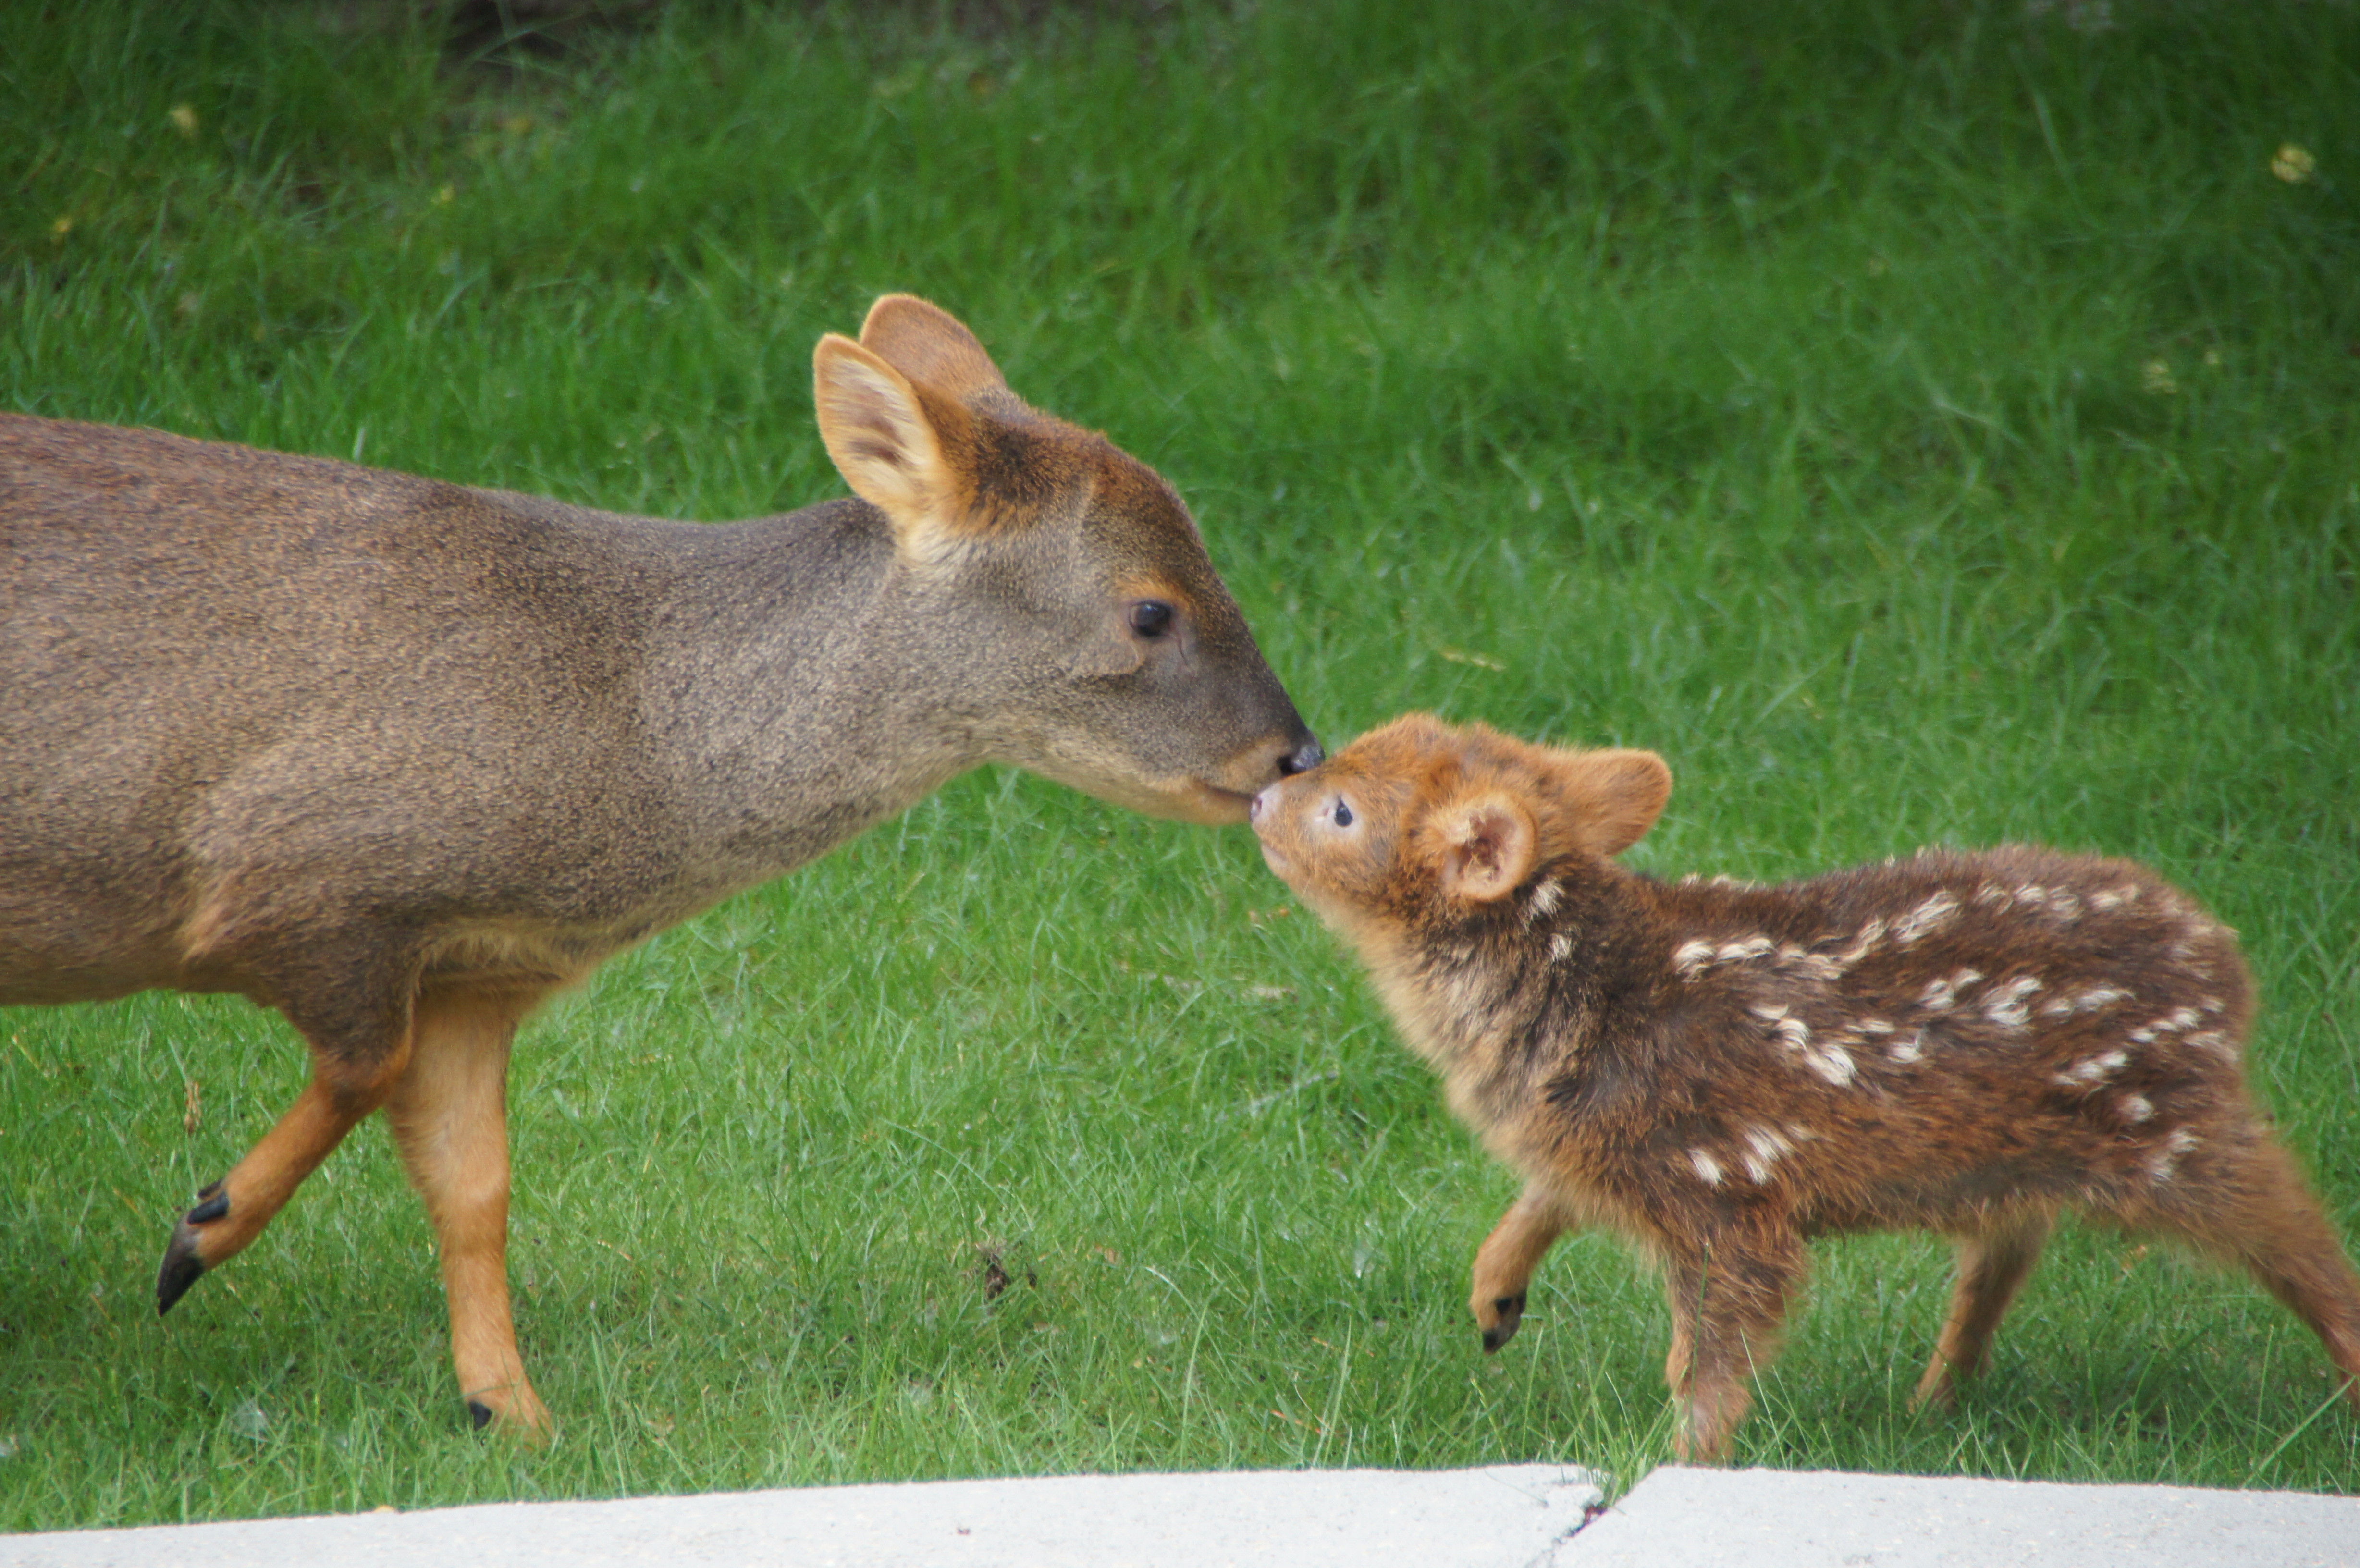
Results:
892 440
926 343
1486 847
1616 796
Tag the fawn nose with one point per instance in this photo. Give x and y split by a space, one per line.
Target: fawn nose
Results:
1262 798
1302 758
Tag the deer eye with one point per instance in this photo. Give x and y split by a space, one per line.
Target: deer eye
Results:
1151 617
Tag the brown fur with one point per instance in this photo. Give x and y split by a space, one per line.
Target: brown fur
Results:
399 757
1969 1043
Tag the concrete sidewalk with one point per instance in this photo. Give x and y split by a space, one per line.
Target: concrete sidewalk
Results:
1526 1516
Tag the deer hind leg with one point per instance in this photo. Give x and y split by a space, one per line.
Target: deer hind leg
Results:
450 1120
1729 1298
360 1044
2244 1201
1505 1265
1993 1265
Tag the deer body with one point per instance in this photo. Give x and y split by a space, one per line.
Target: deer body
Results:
1970 1043
399 757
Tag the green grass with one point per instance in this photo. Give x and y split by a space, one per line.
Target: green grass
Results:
1920 422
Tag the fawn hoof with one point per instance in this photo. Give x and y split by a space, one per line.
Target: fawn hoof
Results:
182 1262
516 1415
1511 1311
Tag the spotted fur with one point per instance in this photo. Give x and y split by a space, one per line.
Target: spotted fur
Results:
1969 1043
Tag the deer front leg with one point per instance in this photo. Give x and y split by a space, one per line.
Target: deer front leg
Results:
1505 1265
450 1120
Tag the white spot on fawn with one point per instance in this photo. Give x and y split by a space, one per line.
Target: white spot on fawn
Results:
2179 1018
1817 965
2215 1041
1693 958
1764 1147
1708 1169
1561 947
2137 1108
2165 1160
1870 935
1941 995
2084 1001
1910 1049
1932 915
1544 900
2089 1073
2005 1005
1828 1060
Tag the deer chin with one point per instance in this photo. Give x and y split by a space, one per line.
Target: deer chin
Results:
1181 799
1187 800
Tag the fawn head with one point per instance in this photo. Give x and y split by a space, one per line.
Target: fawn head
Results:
1421 821
1080 623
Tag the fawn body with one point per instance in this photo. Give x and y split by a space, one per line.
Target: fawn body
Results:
1968 1043
399 757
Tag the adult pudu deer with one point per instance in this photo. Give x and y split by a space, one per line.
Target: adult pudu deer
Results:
399 757
1963 1043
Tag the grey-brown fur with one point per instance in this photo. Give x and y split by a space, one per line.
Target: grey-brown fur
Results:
1970 1043
399 756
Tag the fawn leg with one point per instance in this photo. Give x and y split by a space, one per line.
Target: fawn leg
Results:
359 1037
449 1113
1993 1265
1505 1265
2250 1205
1728 1296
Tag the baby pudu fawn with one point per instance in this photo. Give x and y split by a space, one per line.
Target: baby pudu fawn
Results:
1965 1042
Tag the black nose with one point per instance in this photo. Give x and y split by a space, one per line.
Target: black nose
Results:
1302 758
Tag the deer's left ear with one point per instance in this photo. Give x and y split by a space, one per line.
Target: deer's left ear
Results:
1486 847
1616 796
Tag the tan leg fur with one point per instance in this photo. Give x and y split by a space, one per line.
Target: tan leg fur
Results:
1993 1265
1505 1265
449 1114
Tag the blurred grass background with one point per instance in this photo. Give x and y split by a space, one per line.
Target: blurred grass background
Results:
1921 421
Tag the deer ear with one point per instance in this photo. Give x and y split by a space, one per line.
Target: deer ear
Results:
892 441
1616 796
927 344
1486 847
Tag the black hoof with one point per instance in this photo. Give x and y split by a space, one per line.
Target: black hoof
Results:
1512 1313
182 1267
480 1413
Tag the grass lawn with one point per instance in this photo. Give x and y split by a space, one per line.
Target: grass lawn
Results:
1921 422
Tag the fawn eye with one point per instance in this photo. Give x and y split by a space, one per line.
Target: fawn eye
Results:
1151 617
1343 814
